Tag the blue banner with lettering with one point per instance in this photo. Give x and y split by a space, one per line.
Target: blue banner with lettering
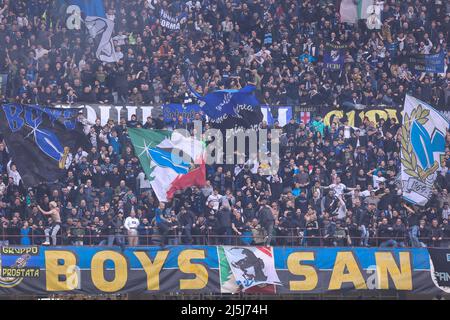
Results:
334 59
433 63
171 22
87 7
231 108
172 111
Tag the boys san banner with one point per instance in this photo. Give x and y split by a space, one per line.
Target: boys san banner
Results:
221 269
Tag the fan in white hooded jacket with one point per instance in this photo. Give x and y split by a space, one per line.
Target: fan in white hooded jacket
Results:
131 223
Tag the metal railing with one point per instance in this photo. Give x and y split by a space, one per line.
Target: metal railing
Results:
177 236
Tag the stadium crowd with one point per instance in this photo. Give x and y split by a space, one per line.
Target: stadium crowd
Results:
224 43
326 172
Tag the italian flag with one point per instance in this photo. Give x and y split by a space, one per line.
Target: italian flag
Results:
170 160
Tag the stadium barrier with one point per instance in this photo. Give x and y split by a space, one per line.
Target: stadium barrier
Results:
288 238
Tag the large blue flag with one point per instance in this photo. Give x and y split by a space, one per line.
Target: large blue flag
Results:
231 108
87 7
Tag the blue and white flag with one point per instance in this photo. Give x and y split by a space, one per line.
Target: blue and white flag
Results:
423 149
334 55
171 22
334 59
92 14
231 108
101 30
41 140
284 115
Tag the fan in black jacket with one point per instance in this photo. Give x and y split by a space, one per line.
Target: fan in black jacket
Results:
385 234
399 232
437 233
445 233
186 220
424 233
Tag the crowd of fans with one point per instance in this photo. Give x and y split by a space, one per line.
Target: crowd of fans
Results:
337 185
224 43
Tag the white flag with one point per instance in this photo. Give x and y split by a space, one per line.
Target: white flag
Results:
423 149
348 11
252 266
104 28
